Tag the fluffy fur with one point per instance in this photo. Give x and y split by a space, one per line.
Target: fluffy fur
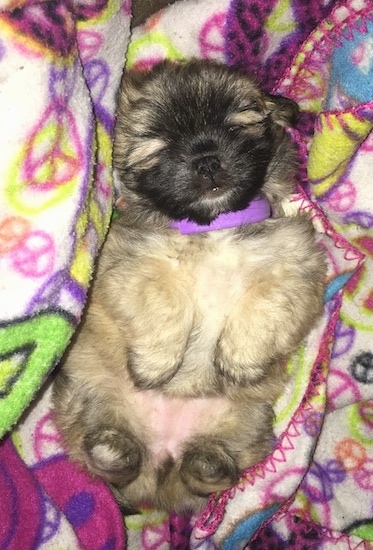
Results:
168 388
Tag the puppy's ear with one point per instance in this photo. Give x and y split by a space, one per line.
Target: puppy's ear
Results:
130 88
135 81
284 111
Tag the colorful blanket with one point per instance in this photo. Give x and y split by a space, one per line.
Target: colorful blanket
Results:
61 62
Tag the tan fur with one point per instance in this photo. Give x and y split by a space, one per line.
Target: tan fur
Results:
198 323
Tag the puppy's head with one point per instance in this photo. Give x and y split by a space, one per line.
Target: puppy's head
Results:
197 139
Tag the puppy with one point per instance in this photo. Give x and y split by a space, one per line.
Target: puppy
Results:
202 289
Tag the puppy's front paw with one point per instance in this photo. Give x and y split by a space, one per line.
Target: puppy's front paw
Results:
238 364
150 368
255 334
159 330
114 455
239 374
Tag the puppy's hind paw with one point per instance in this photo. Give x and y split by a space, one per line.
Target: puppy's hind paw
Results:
114 455
207 467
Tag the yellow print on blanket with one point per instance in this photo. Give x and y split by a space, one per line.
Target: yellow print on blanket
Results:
337 138
281 19
95 217
149 49
47 169
99 12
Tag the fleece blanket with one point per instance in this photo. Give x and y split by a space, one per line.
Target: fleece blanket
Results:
61 62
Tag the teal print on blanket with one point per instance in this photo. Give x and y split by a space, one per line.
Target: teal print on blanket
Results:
335 285
352 69
246 529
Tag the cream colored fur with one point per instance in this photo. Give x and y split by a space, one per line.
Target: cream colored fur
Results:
167 390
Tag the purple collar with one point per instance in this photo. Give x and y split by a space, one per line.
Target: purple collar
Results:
258 210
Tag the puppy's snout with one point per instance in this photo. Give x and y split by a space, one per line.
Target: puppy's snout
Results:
209 175
207 166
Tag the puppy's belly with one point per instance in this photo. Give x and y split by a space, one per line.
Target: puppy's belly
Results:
170 421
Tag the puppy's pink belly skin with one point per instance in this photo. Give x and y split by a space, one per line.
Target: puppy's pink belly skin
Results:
170 421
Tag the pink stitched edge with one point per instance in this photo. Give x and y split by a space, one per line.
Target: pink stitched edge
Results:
329 534
339 241
283 510
325 38
351 253
216 509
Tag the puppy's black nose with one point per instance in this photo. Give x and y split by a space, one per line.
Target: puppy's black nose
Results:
207 166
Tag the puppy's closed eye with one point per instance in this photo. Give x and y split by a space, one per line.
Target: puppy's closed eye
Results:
248 115
145 151
282 110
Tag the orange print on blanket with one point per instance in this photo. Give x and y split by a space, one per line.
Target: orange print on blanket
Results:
32 253
153 20
351 454
13 231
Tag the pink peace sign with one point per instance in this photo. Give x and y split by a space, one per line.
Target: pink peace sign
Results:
155 536
35 256
364 476
341 389
211 37
47 440
343 197
90 43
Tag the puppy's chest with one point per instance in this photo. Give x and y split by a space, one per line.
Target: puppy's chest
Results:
220 276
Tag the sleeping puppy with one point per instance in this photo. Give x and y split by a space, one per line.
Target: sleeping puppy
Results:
202 289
